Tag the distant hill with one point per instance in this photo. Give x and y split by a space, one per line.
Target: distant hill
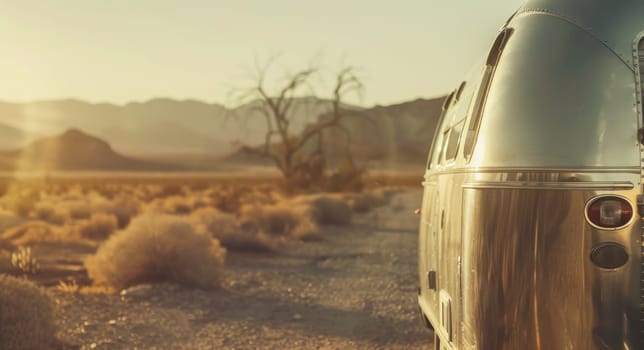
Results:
196 135
245 156
155 126
73 150
12 137
396 134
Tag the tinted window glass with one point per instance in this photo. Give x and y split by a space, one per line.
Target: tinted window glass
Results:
444 139
454 137
439 149
641 59
436 150
459 92
479 102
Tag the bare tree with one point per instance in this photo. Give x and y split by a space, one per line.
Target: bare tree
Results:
280 143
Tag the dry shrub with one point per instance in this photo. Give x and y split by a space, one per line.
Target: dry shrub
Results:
226 228
78 210
363 202
177 205
26 316
226 201
306 230
327 209
31 232
123 207
74 193
309 174
171 190
232 199
51 213
260 197
21 200
56 189
149 192
347 178
282 219
199 203
25 260
158 248
199 186
99 227
359 203
108 191
70 286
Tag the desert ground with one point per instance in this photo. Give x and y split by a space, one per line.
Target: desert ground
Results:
298 273
353 289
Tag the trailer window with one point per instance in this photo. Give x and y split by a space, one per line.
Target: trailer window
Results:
447 102
436 151
444 139
459 92
453 141
481 95
641 59
434 154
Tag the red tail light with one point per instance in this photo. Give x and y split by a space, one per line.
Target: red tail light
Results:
609 212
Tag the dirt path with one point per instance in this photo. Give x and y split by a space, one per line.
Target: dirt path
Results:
355 289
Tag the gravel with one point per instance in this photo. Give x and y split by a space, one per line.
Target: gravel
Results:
353 289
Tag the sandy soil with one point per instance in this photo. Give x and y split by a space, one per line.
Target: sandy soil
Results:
355 289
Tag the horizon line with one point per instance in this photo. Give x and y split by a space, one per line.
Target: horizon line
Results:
189 99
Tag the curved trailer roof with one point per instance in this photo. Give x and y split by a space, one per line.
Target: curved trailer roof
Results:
615 23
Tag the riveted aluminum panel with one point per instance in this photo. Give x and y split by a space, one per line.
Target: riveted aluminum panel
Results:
613 23
558 98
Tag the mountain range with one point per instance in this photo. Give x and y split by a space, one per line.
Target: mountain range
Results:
156 126
400 133
192 135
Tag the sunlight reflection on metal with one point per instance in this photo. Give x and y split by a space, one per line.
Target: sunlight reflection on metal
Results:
558 130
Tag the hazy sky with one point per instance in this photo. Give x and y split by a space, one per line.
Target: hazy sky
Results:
133 50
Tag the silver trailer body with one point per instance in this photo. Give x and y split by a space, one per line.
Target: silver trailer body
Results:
548 124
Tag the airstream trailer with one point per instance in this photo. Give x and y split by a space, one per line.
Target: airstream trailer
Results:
531 221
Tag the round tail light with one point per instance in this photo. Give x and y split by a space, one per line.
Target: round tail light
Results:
609 212
609 256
